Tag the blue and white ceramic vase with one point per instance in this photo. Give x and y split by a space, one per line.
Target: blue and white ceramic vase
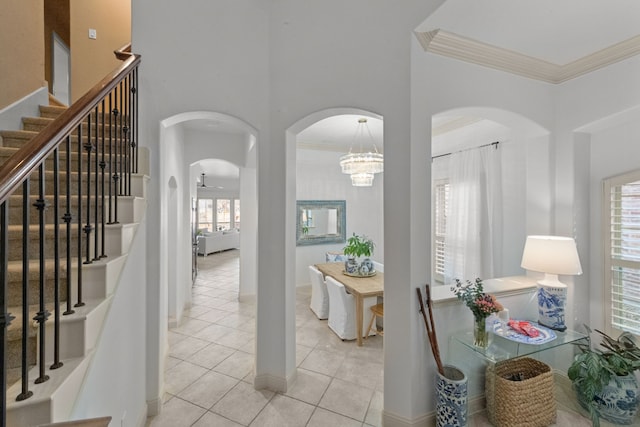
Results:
551 302
618 401
366 267
351 266
451 394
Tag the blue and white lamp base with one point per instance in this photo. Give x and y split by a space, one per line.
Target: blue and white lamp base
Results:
551 303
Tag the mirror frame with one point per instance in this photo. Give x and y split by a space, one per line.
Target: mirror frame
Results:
341 208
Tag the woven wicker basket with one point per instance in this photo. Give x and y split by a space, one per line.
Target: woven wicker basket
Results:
528 402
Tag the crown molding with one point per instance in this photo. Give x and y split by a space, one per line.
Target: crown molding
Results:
465 49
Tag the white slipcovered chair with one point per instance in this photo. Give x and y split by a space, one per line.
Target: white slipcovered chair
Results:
319 295
342 310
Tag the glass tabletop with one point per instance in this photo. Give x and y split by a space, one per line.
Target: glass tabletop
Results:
502 348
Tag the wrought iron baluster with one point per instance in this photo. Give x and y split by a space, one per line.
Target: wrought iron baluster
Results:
96 237
5 316
116 143
43 314
25 393
87 227
56 255
134 142
103 164
80 303
127 140
112 113
122 142
67 218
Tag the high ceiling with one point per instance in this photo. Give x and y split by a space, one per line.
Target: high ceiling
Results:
557 31
549 40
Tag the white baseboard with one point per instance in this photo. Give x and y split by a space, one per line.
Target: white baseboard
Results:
247 298
274 383
394 420
154 407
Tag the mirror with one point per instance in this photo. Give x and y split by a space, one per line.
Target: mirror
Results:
320 222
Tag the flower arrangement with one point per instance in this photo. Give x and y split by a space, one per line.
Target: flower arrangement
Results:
474 297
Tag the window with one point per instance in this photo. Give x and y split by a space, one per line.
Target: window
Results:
223 214
205 214
221 218
622 252
236 213
440 205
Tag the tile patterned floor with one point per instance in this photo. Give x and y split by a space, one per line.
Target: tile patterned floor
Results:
209 372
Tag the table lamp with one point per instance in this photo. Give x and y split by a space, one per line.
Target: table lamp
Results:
551 255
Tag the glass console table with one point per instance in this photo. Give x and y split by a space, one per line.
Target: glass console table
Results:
474 361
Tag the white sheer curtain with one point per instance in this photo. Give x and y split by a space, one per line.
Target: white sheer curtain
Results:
473 238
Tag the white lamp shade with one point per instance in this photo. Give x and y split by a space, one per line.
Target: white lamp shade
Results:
552 255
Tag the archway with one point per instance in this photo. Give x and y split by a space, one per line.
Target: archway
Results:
333 186
524 193
178 150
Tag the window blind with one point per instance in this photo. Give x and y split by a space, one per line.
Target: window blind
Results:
441 205
622 270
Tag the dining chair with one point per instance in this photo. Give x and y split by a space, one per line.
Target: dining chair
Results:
319 295
376 311
342 310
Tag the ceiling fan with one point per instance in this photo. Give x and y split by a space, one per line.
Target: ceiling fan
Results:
203 185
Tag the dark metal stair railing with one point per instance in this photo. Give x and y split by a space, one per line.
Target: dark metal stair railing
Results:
5 316
42 315
56 255
68 218
25 393
30 163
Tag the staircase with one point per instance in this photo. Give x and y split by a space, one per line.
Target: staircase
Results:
65 238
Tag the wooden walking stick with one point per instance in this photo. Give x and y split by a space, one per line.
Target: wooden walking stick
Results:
433 325
428 324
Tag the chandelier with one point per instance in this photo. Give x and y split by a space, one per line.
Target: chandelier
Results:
362 165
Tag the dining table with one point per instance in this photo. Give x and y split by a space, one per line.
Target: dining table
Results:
360 287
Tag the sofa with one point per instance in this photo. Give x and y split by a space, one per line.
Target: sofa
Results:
210 242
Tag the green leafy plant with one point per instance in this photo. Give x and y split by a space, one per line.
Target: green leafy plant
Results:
592 369
359 245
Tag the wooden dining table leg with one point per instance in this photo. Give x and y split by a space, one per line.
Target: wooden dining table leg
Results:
359 315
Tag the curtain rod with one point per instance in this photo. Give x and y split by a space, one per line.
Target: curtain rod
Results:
467 149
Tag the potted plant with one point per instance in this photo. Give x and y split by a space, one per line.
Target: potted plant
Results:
481 304
359 246
604 379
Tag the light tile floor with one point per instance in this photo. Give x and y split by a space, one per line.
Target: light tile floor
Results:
209 372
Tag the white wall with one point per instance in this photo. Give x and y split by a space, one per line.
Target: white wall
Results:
285 63
248 233
525 107
115 382
612 151
175 216
319 177
596 138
